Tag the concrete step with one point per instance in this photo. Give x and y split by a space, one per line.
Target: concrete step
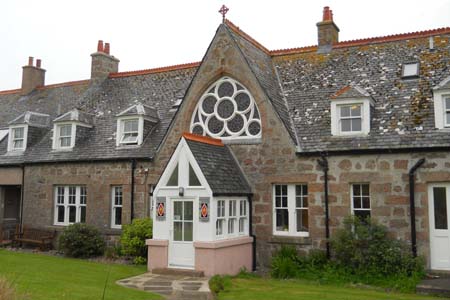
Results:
178 272
438 274
439 286
187 295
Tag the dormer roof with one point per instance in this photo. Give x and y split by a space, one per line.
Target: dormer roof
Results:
75 115
32 119
443 85
140 109
350 92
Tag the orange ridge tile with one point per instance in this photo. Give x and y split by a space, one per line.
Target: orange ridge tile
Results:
63 84
9 92
293 50
246 36
202 139
340 92
155 70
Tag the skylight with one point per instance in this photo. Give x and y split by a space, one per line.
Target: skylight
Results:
410 70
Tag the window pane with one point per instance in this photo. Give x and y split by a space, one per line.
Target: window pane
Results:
219 227
447 103
178 211
177 231
130 138
83 195
302 220
356 202
118 195
72 214
118 216
188 232
60 195
72 194
65 130
356 190
356 124
83 214
440 208
243 208
188 211
231 226
356 110
241 225
365 189
18 132
61 212
130 125
65 141
366 202
362 214
18 144
448 118
282 220
173 180
193 179
410 69
345 111
346 125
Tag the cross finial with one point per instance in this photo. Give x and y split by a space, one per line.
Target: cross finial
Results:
223 11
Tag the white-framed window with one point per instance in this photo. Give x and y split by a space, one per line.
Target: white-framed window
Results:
70 204
220 217
64 136
17 138
130 131
290 214
242 216
231 217
227 111
116 211
350 117
410 70
447 111
360 193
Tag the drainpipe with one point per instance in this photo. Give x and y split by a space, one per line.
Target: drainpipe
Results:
323 163
250 229
133 168
22 194
412 205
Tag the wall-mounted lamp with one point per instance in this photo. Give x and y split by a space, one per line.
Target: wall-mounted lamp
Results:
181 191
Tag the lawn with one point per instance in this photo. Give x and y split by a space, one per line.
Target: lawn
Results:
272 289
48 277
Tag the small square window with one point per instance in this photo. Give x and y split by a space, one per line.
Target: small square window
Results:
18 138
130 131
361 201
410 70
65 136
350 118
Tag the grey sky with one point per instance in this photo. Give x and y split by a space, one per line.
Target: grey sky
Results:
147 34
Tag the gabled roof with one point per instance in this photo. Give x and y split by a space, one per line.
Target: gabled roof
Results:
140 110
75 115
218 165
350 92
32 119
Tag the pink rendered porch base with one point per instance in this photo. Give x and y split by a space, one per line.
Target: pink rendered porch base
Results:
217 257
158 254
223 257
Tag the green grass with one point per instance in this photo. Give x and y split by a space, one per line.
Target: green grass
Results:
49 277
273 289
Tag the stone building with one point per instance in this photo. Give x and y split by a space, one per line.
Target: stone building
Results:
242 152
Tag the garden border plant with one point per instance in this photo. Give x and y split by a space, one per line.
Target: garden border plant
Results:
362 252
132 240
81 241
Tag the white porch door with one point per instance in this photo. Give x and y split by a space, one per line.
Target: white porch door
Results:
181 248
439 212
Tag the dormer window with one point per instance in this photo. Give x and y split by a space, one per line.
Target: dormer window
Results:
350 118
130 132
350 111
64 137
441 98
132 122
410 70
17 138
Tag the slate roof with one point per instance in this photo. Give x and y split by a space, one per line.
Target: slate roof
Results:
151 88
32 119
300 84
220 169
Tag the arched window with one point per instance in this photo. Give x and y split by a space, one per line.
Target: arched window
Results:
227 111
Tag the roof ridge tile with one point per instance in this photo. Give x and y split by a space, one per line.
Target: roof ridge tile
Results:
202 139
246 36
155 70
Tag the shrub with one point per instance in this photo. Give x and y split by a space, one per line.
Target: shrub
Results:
133 239
219 283
81 240
365 248
285 263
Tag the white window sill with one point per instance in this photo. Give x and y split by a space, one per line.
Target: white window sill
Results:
15 152
356 134
116 227
125 147
287 234
62 150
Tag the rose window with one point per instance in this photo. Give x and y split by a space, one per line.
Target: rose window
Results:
227 111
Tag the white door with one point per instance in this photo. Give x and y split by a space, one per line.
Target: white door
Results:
439 212
181 248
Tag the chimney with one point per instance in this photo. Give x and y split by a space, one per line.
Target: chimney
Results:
327 31
103 63
32 76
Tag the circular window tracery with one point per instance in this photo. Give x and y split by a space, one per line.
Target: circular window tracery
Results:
227 111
